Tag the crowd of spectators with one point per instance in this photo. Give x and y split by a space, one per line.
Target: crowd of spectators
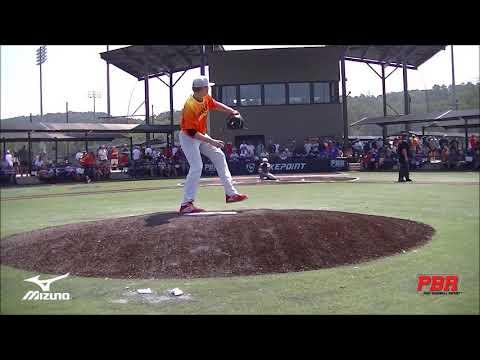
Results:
449 153
310 148
146 160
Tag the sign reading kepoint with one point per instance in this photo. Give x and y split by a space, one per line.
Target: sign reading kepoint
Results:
438 284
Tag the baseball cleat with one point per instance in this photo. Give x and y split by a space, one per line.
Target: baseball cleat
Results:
235 198
188 208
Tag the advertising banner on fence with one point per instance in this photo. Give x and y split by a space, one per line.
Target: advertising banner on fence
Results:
243 167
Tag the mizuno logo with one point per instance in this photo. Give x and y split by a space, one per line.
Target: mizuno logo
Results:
45 284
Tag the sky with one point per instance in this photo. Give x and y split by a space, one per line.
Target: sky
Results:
70 72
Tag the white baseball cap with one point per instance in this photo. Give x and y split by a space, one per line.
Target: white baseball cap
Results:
202 81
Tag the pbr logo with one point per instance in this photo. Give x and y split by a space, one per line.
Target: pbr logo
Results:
45 286
438 284
290 166
210 168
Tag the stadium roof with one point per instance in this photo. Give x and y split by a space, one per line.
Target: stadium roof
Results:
158 60
392 55
41 136
437 116
89 128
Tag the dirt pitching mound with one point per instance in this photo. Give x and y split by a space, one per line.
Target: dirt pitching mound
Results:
165 245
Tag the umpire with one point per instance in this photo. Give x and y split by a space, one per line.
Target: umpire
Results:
404 169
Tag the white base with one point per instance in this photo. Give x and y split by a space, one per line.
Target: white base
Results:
209 213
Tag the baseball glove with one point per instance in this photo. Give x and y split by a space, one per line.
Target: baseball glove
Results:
235 122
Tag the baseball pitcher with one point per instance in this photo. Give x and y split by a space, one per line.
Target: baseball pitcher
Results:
194 141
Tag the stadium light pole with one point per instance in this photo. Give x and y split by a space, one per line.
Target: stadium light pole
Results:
41 58
94 95
108 85
455 103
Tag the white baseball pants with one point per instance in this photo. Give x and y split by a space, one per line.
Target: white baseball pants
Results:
192 148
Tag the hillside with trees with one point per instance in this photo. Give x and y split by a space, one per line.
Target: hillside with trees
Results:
438 98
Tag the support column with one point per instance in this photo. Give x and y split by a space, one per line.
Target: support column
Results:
147 106
86 142
384 132
344 100
466 133
4 147
202 57
384 93
29 154
406 100
455 103
131 148
108 85
56 151
171 110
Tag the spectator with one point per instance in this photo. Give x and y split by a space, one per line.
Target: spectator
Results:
148 153
9 159
103 155
167 151
23 158
243 150
250 150
228 149
174 150
443 142
307 147
137 155
125 149
260 149
88 162
114 158
285 154
234 157
473 142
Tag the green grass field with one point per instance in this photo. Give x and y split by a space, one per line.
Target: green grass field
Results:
384 286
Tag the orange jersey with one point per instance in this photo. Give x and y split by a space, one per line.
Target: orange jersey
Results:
195 113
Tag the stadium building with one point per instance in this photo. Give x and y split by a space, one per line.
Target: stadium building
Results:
281 93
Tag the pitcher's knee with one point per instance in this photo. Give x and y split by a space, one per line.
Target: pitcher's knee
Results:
195 170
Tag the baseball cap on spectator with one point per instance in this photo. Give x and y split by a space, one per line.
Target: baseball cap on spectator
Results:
201 81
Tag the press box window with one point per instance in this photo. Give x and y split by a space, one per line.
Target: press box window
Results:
275 94
299 93
229 95
250 95
321 93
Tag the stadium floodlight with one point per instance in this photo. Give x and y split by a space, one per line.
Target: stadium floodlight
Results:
41 58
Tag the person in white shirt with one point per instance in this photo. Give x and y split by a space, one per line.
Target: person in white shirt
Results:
136 158
277 148
307 146
103 153
9 159
243 150
136 154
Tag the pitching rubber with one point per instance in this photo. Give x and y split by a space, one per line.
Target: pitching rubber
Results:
210 213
